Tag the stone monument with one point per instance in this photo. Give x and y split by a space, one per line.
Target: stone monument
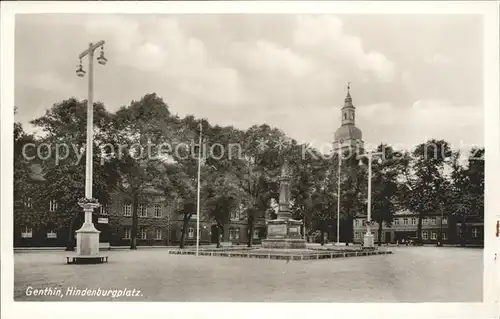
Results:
87 237
284 232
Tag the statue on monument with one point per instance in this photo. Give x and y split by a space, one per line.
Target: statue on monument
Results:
284 232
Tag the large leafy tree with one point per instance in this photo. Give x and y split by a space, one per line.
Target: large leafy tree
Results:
64 128
467 189
26 183
310 185
426 183
257 171
353 198
141 128
384 188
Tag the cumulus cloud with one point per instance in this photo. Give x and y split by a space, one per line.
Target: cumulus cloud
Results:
326 34
288 71
267 57
461 125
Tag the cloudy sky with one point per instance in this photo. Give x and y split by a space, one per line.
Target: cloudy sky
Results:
413 77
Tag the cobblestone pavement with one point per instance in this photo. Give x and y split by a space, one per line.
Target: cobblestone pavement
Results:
411 274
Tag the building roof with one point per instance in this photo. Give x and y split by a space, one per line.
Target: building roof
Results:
347 132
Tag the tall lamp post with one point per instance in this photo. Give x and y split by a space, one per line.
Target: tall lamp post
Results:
198 195
87 237
368 241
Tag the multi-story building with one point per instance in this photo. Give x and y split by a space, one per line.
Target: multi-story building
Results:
159 222
405 226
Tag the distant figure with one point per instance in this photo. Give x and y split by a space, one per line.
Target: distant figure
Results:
397 243
403 241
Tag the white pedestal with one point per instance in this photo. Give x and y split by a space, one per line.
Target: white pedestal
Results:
87 241
368 240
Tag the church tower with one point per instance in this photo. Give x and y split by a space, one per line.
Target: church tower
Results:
348 136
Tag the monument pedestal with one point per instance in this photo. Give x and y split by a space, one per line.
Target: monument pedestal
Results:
87 240
284 234
368 241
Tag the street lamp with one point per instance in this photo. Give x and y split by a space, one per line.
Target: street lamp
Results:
198 193
438 189
87 237
368 238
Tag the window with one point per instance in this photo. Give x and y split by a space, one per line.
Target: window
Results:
475 232
27 232
445 236
405 221
433 220
51 234
433 235
396 221
127 210
127 232
445 220
345 116
27 202
234 234
235 214
425 221
190 232
143 210
103 210
143 234
158 234
53 205
157 211
413 221
255 234
425 235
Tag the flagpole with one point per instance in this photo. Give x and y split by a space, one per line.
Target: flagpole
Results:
198 197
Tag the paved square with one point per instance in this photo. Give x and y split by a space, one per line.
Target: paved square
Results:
411 274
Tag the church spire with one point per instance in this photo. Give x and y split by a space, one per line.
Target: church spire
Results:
348 135
348 108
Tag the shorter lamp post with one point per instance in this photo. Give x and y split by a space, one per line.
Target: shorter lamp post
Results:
340 145
440 205
368 241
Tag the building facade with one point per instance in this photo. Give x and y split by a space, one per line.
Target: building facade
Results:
159 222
404 227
